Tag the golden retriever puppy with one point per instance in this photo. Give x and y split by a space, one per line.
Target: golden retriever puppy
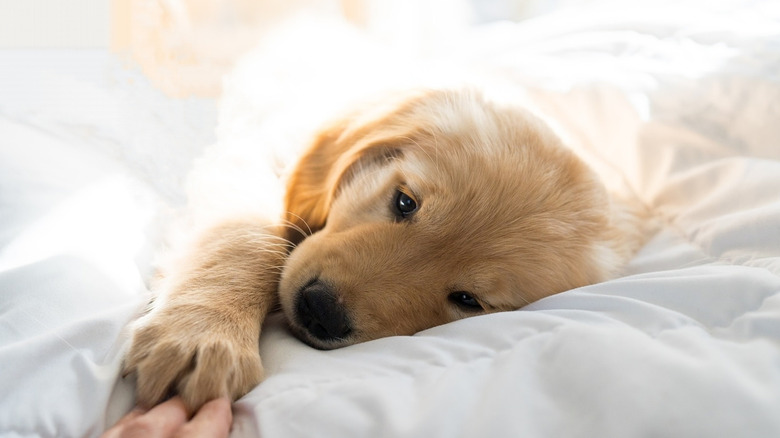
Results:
432 207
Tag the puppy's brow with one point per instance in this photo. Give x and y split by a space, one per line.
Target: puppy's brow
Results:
436 151
419 146
369 160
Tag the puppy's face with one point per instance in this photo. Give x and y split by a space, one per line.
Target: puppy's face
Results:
437 208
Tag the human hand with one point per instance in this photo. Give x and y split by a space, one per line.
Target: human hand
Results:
169 419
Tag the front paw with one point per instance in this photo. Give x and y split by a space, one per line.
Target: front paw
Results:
194 353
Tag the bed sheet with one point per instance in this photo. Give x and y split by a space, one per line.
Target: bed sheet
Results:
92 163
686 344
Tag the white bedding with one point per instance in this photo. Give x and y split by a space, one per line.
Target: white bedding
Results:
687 344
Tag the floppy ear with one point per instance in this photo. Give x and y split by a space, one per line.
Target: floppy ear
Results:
375 132
312 184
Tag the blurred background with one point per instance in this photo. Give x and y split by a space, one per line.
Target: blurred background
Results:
185 46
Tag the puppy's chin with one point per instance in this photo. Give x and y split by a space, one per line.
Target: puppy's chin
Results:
304 336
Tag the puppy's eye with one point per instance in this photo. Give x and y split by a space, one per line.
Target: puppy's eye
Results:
404 205
465 301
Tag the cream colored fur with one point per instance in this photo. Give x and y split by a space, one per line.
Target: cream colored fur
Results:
505 213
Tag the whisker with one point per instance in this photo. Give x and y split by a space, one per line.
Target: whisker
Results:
284 223
272 252
291 226
302 220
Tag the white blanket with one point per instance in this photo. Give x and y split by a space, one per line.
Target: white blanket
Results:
687 344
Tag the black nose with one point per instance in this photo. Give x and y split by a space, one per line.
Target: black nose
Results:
319 311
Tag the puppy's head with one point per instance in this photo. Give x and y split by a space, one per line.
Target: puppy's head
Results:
437 207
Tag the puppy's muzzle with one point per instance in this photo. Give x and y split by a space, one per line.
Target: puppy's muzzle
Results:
318 310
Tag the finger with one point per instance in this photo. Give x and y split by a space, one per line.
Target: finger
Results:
162 420
116 429
159 422
213 420
130 416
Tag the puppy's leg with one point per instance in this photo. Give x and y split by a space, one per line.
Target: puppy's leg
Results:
201 337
